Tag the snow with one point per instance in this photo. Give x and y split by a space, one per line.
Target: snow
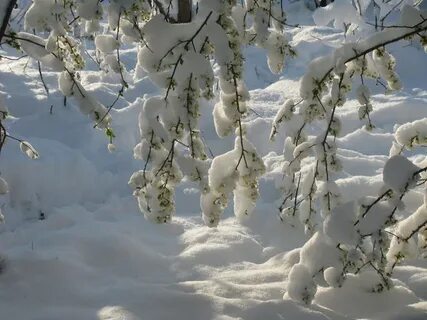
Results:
35 48
301 285
94 256
400 173
339 225
106 43
4 188
29 150
356 290
341 12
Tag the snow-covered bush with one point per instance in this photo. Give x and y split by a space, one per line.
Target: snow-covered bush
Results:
364 234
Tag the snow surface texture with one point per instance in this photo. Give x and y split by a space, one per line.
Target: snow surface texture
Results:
94 256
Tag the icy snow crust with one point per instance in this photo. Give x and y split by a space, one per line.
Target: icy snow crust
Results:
95 257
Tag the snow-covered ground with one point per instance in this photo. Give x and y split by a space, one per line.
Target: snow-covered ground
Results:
95 257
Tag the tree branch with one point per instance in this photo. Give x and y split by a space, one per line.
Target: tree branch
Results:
6 17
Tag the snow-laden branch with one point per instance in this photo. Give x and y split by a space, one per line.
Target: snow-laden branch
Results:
358 235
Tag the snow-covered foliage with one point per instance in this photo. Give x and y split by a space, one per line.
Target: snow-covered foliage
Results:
184 64
364 234
171 142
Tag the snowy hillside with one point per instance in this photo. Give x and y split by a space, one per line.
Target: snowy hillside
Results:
75 245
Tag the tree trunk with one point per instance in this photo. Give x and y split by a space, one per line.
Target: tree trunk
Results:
6 17
184 11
